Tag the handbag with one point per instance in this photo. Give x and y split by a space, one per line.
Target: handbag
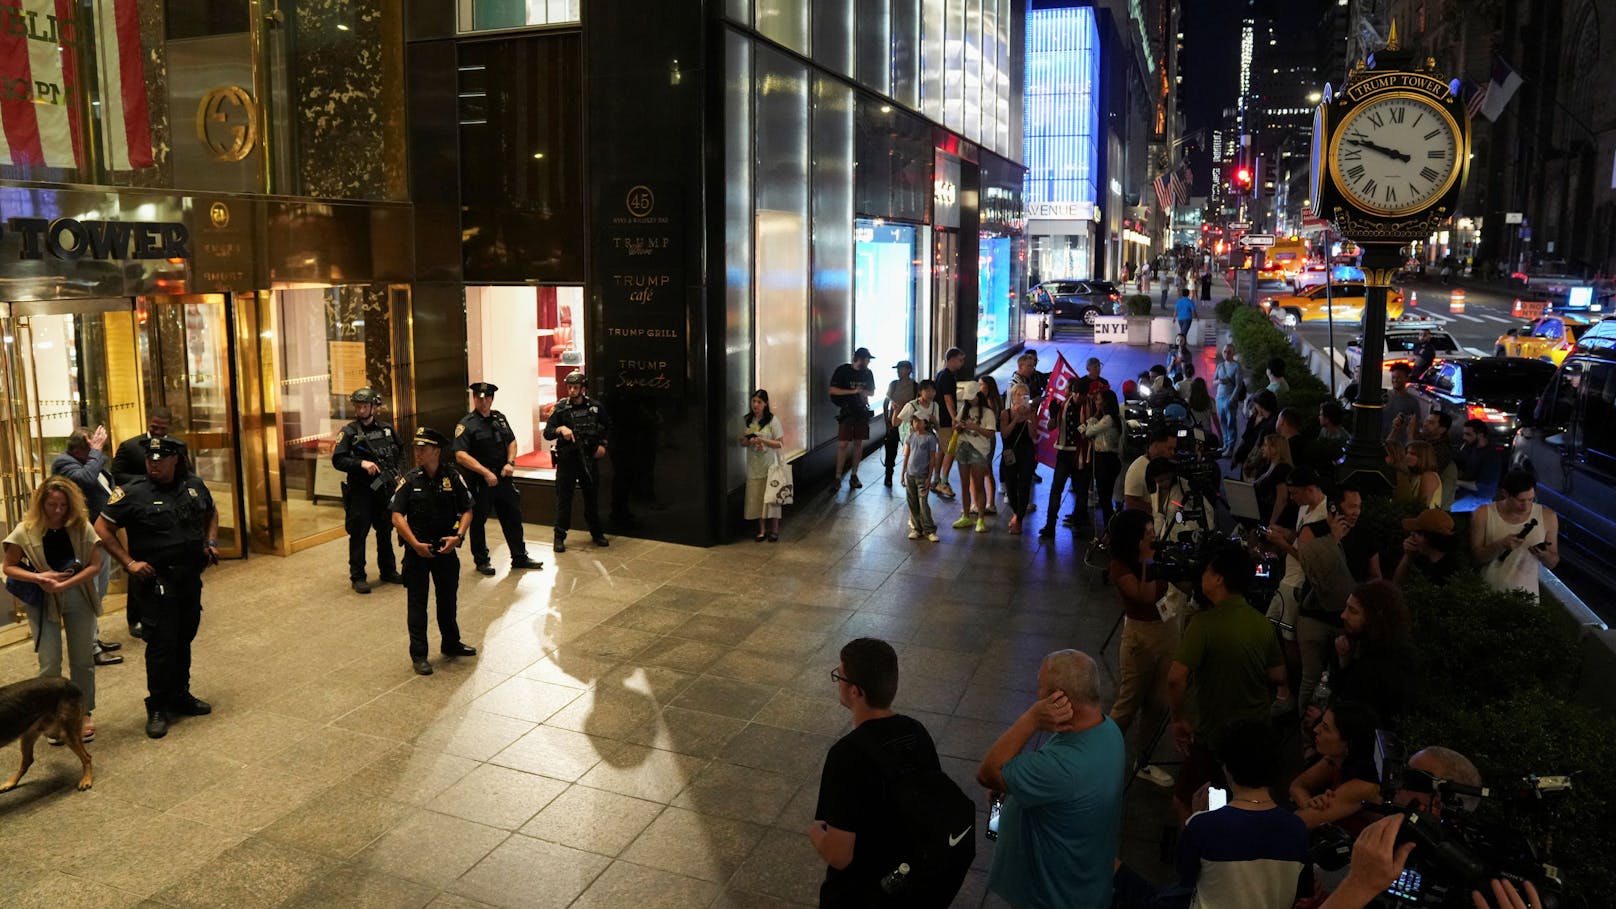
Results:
28 592
778 488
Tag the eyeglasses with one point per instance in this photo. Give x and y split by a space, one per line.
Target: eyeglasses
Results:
837 676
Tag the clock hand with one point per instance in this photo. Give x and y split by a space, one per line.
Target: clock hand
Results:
1392 153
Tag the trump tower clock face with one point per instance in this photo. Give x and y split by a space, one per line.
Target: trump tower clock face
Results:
1396 154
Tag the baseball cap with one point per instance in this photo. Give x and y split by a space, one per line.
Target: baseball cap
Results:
862 352
904 364
1431 520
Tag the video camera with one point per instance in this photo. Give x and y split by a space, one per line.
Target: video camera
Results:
1458 852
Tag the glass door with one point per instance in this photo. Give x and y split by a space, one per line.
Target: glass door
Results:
63 366
185 349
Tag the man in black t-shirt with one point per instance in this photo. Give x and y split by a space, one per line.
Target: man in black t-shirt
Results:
850 388
853 828
947 382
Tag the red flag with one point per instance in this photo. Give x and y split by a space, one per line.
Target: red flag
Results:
1055 394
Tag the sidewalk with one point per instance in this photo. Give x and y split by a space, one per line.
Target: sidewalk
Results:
644 725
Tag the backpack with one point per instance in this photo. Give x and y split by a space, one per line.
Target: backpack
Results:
935 825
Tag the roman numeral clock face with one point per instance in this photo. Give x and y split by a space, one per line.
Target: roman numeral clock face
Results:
1396 155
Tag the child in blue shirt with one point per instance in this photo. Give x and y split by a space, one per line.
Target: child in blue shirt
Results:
920 461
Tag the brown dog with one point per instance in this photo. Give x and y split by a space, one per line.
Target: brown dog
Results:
39 706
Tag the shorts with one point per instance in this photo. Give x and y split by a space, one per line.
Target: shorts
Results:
853 429
968 455
1284 607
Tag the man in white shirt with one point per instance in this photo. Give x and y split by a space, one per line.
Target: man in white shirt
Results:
1135 491
1312 511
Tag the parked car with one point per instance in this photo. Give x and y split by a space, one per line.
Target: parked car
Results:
1549 338
1569 443
1401 337
1494 390
1074 299
1344 301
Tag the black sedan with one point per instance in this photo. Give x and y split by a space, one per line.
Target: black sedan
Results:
1073 299
1491 389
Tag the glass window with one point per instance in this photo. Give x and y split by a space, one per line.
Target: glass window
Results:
1062 119
785 21
993 294
1599 410
885 272
525 340
833 33
485 15
906 52
781 226
875 44
737 232
932 16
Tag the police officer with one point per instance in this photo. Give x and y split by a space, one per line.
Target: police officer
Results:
579 428
172 528
485 449
368 452
431 510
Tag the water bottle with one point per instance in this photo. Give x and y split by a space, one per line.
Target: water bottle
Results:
897 880
1321 693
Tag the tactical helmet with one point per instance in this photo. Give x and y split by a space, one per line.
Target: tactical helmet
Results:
576 377
366 395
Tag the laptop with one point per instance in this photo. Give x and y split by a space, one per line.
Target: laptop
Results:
1242 497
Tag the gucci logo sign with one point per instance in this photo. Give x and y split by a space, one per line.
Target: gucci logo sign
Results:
944 191
227 122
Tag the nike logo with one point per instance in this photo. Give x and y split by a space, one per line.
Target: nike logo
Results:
955 840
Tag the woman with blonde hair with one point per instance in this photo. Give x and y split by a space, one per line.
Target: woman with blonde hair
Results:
1272 488
1419 481
52 559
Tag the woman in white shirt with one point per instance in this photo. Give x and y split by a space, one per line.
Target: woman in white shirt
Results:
1105 432
975 425
763 440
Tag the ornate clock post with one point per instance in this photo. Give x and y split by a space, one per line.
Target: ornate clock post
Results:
1390 154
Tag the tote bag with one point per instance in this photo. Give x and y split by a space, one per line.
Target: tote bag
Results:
778 489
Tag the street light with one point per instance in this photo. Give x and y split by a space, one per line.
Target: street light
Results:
1315 97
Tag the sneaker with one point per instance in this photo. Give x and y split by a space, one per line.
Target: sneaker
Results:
981 525
944 490
1155 775
914 534
933 538
964 521
156 724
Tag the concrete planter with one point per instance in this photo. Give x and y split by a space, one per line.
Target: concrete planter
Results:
1139 330
1111 330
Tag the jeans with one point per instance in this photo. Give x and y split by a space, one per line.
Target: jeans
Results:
1107 468
1316 638
919 504
1228 417
1080 477
78 619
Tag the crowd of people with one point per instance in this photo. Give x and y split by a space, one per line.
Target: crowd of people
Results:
1292 646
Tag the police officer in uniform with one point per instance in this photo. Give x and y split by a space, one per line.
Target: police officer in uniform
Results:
579 428
368 452
431 509
172 528
485 449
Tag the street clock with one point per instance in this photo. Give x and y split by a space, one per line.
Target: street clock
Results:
1390 152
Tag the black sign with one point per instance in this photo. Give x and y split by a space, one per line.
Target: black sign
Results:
641 265
70 239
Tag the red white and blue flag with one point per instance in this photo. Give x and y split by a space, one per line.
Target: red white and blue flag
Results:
44 105
1056 392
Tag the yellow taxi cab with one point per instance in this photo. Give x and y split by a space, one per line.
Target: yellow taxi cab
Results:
1345 303
1548 338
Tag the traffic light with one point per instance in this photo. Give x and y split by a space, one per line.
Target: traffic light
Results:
1243 177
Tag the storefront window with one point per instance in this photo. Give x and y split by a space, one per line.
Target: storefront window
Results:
486 15
884 274
780 153
993 294
525 340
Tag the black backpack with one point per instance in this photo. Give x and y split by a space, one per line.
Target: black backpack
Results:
934 824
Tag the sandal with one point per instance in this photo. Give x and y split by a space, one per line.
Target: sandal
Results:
774 538
760 538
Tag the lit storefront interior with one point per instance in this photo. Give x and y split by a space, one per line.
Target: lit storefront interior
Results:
526 340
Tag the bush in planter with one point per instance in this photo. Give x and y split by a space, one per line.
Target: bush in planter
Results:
1226 308
1136 304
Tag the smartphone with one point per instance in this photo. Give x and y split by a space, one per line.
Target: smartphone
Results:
995 805
1216 798
1541 547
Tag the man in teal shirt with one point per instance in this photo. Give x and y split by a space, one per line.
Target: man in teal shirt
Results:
1062 816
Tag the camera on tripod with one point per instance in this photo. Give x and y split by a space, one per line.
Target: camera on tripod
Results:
1458 851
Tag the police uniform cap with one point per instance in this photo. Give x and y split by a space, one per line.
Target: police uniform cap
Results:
483 389
576 377
426 435
157 449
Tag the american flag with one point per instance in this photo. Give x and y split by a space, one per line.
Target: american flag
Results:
1164 192
1478 97
42 47
1180 180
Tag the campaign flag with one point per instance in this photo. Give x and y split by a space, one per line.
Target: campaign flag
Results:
1504 83
43 106
1055 394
